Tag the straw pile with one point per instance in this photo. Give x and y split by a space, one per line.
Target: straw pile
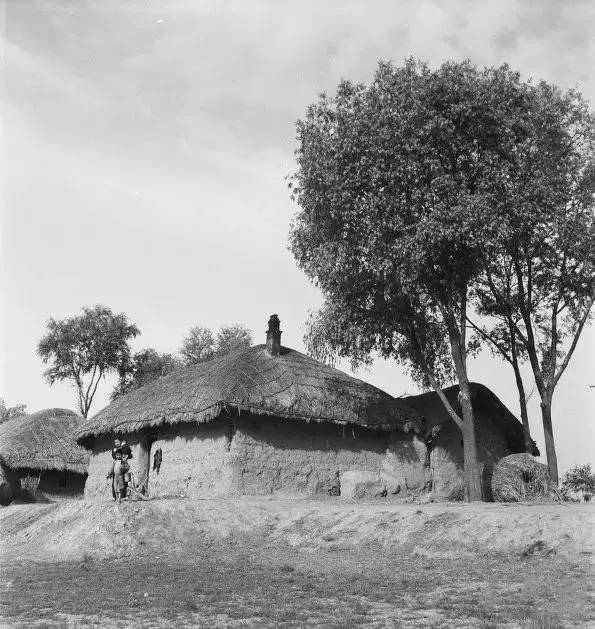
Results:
291 386
43 441
520 478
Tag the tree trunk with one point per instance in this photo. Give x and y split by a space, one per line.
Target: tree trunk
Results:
548 435
523 405
473 471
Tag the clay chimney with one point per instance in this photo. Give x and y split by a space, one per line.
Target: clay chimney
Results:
274 336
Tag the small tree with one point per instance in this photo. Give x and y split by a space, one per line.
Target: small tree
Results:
145 366
201 344
198 346
231 338
84 348
8 412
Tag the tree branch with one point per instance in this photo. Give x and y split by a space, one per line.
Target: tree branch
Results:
574 340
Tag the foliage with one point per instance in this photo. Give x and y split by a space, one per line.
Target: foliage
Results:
201 344
8 412
230 338
198 346
580 478
396 184
538 284
144 367
84 348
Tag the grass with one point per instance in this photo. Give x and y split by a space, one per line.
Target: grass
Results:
245 583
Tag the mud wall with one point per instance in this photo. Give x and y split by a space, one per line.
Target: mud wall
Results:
403 468
254 455
270 455
195 461
447 455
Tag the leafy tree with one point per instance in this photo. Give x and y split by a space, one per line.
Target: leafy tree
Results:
396 184
201 344
8 412
538 284
144 367
84 348
231 338
198 346
580 478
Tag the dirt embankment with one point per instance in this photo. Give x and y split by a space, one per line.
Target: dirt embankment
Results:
74 530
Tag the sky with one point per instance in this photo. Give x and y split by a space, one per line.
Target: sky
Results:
145 150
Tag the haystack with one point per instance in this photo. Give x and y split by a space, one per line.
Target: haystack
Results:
262 420
520 478
38 452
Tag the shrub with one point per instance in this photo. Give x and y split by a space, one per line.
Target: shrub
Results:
580 479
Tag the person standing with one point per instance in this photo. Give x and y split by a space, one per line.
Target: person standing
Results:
120 470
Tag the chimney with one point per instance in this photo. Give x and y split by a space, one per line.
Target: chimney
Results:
274 336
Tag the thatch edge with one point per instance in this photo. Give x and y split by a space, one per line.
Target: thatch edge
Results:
210 414
17 463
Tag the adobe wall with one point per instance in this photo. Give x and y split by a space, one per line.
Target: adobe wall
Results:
261 455
195 461
275 455
270 455
447 454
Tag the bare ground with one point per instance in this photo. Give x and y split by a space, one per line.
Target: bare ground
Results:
296 563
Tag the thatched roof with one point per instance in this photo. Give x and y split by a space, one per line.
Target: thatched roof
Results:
44 441
290 385
484 401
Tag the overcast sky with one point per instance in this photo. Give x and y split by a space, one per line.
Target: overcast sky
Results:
145 147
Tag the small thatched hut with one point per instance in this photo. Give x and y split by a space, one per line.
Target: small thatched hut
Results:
38 452
498 433
268 419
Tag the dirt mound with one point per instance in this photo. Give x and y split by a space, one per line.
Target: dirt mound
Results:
76 529
520 478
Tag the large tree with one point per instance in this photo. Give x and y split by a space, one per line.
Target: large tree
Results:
539 283
86 347
395 184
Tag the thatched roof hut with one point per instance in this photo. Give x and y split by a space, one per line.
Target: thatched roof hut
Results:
498 434
42 444
269 418
43 441
289 385
486 404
